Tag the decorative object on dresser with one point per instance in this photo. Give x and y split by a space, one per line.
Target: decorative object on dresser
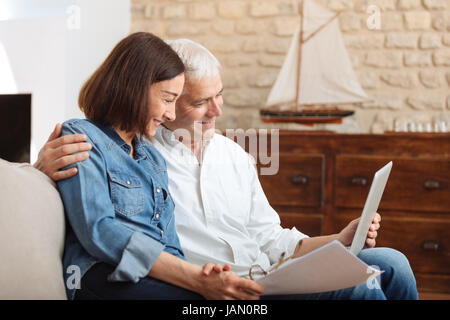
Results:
317 73
324 178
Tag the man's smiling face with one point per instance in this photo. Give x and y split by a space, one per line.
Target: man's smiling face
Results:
198 107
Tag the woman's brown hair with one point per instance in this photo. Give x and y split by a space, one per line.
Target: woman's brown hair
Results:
117 94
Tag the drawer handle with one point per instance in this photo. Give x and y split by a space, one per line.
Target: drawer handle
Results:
430 245
431 184
359 181
299 179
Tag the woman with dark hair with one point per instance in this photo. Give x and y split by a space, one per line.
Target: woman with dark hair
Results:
121 241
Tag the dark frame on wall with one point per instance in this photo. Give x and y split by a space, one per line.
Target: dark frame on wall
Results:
15 127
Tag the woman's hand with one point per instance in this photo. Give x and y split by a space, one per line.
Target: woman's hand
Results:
347 234
221 284
207 268
212 281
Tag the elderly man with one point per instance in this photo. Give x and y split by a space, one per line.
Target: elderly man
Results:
221 212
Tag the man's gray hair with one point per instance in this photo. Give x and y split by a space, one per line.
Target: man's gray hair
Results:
198 61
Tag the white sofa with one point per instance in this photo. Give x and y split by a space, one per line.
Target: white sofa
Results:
32 229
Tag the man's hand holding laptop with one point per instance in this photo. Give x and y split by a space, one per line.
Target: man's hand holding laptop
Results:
346 236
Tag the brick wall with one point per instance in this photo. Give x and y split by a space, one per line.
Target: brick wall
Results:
404 66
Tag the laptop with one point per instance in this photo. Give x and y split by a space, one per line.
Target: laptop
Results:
370 208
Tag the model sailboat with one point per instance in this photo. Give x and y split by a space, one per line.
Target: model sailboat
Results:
316 75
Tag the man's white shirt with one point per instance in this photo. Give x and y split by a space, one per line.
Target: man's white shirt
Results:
221 212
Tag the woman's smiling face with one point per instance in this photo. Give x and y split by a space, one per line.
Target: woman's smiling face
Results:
163 96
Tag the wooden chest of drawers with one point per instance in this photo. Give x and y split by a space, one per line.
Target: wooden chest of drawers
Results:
324 178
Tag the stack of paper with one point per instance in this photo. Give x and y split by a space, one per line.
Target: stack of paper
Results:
328 268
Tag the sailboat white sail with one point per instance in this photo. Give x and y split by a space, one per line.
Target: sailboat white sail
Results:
326 73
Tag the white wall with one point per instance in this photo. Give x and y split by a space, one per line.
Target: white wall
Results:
7 81
103 24
36 53
52 47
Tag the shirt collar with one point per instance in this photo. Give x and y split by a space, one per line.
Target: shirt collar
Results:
114 136
168 136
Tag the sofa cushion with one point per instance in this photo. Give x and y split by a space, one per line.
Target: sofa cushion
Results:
32 229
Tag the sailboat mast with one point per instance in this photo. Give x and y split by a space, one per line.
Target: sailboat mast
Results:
297 91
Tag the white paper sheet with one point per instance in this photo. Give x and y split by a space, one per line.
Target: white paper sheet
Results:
328 268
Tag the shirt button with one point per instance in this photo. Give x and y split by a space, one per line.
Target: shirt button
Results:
158 190
157 216
128 182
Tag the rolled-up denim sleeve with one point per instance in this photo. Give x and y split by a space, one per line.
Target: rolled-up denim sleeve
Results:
137 258
91 214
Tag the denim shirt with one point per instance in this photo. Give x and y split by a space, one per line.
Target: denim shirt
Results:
119 209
